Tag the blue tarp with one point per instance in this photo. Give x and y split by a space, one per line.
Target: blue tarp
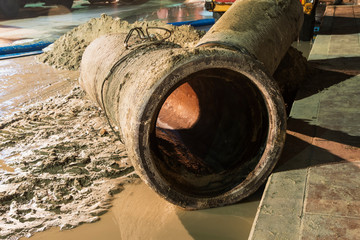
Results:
196 23
36 48
21 54
24 48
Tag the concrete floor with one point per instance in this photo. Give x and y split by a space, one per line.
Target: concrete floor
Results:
314 192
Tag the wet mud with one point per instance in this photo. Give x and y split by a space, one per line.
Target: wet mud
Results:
66 166
139 213
23 81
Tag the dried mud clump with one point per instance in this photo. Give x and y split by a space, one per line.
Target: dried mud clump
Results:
67 51
292 71
291 74
66 166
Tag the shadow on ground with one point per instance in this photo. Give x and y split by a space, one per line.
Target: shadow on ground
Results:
328 72
308 144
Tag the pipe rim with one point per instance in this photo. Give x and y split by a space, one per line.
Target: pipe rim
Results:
254 71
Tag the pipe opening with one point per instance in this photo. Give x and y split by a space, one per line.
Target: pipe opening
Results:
210 133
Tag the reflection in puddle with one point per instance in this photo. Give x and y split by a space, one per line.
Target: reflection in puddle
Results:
6 71
139 213
23 80
4 166
167 12
6 156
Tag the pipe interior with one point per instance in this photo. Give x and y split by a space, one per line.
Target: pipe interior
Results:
210 132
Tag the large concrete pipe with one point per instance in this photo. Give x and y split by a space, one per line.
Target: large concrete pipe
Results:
203 127
263 28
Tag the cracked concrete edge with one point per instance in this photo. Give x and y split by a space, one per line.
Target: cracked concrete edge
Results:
279 215
251 235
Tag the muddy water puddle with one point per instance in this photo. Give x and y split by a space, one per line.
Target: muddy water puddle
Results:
139 213
4 158
4 166
23 80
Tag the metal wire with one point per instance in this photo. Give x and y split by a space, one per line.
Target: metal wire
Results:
146 36
148 41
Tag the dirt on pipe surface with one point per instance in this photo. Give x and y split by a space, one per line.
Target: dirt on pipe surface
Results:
203 126
200 168
264 29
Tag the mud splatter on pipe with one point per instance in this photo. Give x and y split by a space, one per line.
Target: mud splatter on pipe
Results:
204 127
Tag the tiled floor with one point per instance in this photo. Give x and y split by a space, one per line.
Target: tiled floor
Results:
315 191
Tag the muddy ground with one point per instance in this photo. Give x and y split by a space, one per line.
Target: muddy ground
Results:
63 165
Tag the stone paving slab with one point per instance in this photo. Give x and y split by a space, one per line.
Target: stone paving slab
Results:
314 193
